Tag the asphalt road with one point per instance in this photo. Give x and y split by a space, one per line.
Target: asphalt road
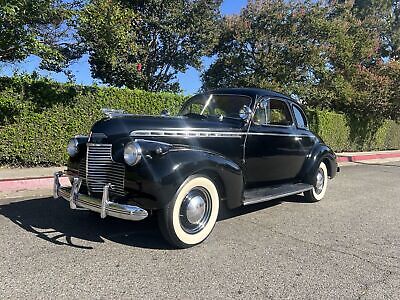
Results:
346 246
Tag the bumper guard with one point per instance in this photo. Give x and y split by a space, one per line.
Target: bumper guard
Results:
103 206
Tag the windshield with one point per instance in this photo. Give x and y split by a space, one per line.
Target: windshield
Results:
228 106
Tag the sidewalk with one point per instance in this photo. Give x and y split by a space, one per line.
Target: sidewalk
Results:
364 156
27 173
13 181
37 180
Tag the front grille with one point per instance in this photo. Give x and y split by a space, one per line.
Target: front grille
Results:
99 169
82 170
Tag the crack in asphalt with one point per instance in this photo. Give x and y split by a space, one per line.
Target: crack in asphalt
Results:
368 286
374 254
372 263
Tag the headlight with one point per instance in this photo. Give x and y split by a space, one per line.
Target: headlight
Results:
132 153
72 147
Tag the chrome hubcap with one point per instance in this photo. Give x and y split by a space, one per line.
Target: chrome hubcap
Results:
195 210
319 185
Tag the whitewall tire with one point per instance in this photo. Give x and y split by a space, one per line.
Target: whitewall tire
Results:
319 185
190 217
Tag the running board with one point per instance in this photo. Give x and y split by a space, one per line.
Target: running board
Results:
273 192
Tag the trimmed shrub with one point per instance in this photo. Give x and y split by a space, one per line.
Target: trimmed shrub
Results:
344 133
388 136
333 128
37 133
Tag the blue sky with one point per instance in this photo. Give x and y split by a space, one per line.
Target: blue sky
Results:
189 81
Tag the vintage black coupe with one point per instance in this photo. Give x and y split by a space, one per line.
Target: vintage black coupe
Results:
231 146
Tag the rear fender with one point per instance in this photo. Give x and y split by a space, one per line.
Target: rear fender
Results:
320 153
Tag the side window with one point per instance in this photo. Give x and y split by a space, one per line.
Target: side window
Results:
278 113
300 117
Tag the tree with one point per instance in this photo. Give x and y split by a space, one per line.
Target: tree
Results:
380 15
144 44
322 54
39 27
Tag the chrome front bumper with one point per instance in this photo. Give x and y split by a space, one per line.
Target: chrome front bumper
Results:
103 206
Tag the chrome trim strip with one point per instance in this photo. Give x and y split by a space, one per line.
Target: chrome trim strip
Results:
207 134
184 133
100 145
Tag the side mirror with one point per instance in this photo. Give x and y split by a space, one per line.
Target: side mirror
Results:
165 113
245 113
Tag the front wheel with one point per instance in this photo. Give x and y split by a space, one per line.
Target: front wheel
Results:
320 184
190 217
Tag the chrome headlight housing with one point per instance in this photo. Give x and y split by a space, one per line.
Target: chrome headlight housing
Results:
72 147
132 153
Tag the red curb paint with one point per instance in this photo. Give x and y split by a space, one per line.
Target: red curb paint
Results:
26 178
367 157
29 184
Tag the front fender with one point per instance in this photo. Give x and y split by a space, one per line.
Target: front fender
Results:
156 179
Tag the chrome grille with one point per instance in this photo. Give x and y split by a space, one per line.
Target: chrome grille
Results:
99 169
82 170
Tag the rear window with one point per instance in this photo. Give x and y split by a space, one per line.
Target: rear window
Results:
300 117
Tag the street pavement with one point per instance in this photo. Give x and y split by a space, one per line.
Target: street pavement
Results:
347 246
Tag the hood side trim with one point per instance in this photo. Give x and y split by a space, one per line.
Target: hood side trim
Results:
199 134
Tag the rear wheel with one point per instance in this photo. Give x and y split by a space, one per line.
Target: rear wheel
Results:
190 217
319 186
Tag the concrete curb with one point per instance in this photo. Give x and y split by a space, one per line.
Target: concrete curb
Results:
356 157
46 181
19 184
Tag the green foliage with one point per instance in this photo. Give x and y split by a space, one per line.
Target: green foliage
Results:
144 44
325 54
52 113
38 116
39 27
343 133
11 106
37 93
383 15
333 128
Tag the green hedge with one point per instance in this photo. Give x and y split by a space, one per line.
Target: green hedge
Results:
37 123
38 117
344 133
331 127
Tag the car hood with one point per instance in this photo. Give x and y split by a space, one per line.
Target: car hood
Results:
116 128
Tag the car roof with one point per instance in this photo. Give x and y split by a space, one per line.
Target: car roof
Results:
251 92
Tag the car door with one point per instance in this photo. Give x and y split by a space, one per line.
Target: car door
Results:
307 138
273 148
